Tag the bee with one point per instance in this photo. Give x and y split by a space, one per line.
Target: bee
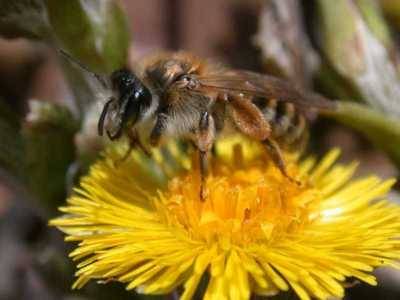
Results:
182 96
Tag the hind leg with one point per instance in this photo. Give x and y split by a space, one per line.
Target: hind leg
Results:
277 157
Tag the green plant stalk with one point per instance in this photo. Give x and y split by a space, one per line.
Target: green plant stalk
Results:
383 131
48 138
358 46
11 145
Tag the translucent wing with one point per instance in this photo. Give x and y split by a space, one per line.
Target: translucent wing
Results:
259 85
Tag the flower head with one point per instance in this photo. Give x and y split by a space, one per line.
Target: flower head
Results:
143 223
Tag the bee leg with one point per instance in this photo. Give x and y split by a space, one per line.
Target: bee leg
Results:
134 143
131 147
158 129
114 136
277 157
203 155
205 141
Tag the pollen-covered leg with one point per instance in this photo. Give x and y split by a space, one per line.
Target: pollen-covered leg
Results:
277 157
248 118
205 140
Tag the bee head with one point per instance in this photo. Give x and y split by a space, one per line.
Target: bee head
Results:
132 99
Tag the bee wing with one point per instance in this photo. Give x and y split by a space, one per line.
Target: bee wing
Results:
259 85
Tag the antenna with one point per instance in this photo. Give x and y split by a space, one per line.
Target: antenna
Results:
80 65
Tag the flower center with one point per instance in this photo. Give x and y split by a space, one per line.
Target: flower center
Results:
242 205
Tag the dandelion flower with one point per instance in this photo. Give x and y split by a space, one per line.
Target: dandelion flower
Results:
142 223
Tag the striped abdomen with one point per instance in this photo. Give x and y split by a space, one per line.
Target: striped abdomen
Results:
288 124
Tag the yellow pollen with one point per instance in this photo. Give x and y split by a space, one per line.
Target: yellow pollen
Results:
254 203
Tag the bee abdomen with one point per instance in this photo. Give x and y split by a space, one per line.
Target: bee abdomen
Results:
289 126
297 134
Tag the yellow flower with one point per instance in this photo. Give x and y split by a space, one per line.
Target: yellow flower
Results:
141 222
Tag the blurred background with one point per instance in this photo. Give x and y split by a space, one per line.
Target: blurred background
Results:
345 49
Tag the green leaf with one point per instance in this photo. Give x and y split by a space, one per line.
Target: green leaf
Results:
95 32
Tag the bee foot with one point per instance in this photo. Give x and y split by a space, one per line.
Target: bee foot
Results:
293 180
202 194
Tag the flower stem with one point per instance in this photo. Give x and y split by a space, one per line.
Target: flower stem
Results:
382 130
